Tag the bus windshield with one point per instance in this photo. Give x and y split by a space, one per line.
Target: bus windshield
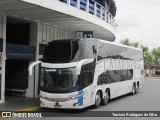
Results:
59 80
67 51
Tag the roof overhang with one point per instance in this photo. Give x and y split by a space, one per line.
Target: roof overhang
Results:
58 14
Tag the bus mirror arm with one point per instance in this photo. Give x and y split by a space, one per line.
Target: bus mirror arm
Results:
30 69
79 66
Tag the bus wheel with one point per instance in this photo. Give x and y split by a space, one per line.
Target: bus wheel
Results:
106 98
97 100
137 88
133 89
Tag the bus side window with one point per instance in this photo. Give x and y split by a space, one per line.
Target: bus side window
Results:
120 73
130 73
112 76
87 78
125 74
103 79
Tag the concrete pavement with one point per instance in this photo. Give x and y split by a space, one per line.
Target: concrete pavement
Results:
19 103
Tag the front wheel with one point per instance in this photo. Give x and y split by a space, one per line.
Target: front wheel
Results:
97 100
106 98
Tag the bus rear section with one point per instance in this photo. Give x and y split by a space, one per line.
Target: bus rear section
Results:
119 69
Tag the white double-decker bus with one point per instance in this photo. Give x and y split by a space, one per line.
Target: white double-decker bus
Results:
80 73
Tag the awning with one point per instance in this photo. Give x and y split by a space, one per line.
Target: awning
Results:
58 14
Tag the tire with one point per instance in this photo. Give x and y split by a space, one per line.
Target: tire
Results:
133 89
136 90
97 100
106 98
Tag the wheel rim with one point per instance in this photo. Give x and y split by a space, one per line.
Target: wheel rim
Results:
98 99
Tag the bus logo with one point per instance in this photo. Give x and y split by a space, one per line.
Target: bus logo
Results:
59 71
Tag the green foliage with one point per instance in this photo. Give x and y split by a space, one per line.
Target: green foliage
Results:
156 55
136 44
128 43
144 48
125 42
148 57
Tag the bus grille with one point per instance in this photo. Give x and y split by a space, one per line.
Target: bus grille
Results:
57 99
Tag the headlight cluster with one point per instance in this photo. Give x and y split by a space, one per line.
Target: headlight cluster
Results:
74 97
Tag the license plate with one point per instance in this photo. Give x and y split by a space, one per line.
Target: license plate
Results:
57 106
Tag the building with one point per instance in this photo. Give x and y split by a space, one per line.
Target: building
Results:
26 26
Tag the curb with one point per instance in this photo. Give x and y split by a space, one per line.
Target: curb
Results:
153 78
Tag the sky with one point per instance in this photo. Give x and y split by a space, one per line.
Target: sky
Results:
138 20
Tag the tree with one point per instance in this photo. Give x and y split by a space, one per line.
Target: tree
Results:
148 57
144 48
156 55
128 43
136 44
125 42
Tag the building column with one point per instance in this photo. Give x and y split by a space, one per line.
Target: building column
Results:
32 90
3 56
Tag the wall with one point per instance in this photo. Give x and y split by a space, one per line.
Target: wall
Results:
39 34
48 33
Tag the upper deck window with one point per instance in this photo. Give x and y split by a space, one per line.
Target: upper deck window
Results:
65 51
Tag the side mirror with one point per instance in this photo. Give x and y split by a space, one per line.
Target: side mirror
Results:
30 69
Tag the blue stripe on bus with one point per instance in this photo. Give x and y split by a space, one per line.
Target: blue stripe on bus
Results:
80 99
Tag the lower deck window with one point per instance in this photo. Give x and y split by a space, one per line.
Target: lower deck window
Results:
113 76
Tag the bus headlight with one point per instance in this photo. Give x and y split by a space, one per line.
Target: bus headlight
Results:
74 97
41 96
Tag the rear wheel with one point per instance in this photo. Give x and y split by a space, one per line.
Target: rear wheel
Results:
136 90
133 89
97 100
106 98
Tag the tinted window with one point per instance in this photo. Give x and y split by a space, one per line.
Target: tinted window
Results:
59 80
130 74
57 52
107 50
102 79
64 51
113 76
87 49
87 78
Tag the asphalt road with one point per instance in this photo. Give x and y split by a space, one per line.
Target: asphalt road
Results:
148 99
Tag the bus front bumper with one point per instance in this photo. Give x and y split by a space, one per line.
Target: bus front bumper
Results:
70 104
